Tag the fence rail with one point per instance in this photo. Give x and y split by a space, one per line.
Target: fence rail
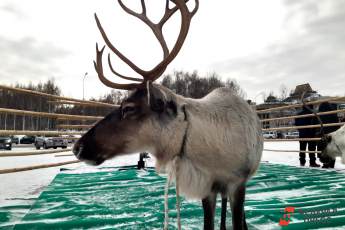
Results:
74 126
31 153
49 115
64 155
290 151
293 139
303 116
31 92
63 102
38 133
304 127
300 105
29 168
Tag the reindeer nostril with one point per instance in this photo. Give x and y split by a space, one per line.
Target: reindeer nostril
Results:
329 139
77 149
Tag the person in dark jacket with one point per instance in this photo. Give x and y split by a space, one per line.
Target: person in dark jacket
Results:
306 133
326 119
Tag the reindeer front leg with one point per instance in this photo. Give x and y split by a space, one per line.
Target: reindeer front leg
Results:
209 206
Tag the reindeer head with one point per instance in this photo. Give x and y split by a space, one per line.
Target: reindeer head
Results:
333 144
151 112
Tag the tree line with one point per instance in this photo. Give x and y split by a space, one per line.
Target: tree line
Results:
184 83
21 101
195 86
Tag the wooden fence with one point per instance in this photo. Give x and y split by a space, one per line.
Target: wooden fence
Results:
66 117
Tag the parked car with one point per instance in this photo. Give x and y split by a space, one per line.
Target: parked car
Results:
5 143
269 135
50 142
70 138
27 140
15 140
291 135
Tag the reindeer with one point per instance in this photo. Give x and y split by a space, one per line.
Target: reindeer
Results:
333 144
215 142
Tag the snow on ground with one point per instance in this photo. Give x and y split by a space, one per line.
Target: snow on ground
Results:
289 158
29 184
26 184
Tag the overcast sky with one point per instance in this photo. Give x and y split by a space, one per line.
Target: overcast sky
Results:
261 44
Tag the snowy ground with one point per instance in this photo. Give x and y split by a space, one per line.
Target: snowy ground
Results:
29 184
289 158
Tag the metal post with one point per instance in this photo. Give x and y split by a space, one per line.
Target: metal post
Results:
5 121
261 93
48 117
39 118
84 85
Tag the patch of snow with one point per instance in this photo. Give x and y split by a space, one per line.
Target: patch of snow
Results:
288 158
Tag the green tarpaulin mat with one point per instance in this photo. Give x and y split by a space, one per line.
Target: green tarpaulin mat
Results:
297 198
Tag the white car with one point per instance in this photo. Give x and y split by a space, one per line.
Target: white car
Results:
50 142
269 135
291 135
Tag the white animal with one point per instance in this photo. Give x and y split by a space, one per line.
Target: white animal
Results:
335 144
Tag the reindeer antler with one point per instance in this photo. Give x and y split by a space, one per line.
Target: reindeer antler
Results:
168 56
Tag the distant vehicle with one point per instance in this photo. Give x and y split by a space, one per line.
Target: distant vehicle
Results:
269 135
70 138
291 135
5 143
50 142
27 140
15 140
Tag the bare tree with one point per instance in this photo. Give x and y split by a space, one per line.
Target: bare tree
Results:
283 92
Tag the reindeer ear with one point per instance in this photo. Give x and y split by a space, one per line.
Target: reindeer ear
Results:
156 98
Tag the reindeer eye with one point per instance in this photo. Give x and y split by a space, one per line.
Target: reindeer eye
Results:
127 110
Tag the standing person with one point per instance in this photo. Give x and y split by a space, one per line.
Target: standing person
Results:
326 119
306 133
